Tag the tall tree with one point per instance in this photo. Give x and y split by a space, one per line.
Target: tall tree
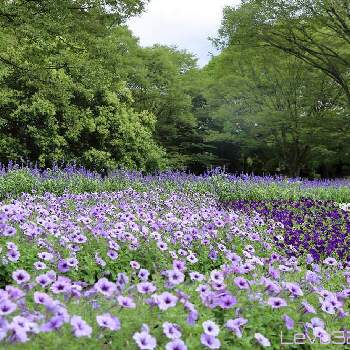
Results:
315 31
272 111
60 95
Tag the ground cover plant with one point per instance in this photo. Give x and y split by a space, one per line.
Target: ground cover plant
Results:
171 267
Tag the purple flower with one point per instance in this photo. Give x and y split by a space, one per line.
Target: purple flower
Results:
196 276
312 277
227 301
146 287
241 283
60 286
175 277
289 322
211 328
171 330
309 259
20 276
126 302
14 293
63 266
179 265
72 262
320 333
39 265
13 255
234 325
7 307
60 311
113 255
53 324
192 317
328 307
45 256
143 275
108 321
122 279
162 245
80 327
330 261
276 302
105 287
43 280
18 335
217 276
263 341
42 298
315 322
294 289
166 300
176 344
145 341
308 308
134 265
210 341
3 328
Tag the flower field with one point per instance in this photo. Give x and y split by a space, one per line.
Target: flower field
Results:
163 262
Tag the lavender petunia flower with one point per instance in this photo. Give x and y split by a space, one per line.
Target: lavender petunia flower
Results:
176 344
211 328
241 283
108 321
7 307
263 341
53 324
20 276
166 300
146 287
289 322
80 327
234 325
210 341
171 330
126 302
105 287
276 302
145 341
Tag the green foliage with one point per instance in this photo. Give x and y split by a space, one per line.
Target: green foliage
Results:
75 85
268 108
60 96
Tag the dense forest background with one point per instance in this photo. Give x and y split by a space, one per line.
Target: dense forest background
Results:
75 85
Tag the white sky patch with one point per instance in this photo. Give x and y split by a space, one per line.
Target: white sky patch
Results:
186 24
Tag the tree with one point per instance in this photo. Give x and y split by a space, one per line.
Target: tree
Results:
271 111
60 96
161 82
315 31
